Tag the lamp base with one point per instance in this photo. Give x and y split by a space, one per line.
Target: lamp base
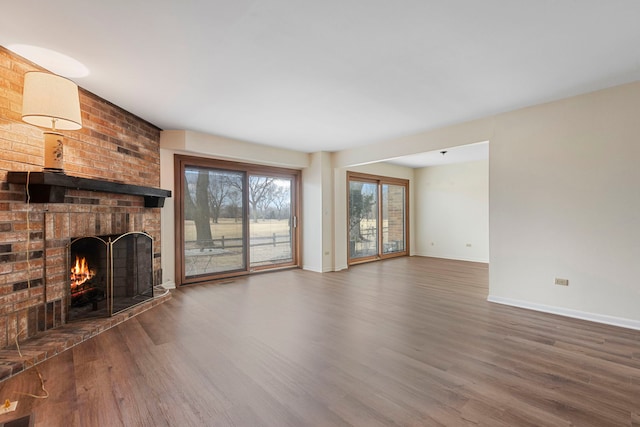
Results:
53 152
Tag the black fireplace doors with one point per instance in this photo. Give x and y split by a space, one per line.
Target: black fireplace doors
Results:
109 274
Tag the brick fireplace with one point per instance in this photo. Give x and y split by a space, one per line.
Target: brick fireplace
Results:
114 146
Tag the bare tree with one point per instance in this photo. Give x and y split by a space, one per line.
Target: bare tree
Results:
202 213
281 199
360 206
232 208
189 204
260 191
220 186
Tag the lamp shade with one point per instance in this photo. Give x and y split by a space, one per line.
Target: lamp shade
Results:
50 101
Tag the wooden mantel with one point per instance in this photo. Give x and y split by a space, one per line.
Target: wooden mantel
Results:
50 187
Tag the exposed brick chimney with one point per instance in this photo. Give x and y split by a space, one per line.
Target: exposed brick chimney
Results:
113 145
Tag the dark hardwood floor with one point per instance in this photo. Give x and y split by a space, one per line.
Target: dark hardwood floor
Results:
404 342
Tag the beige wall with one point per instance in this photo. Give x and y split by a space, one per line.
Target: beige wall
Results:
563 200
437 139
452 202
317 214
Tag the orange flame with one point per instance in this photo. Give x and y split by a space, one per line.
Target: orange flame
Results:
80 273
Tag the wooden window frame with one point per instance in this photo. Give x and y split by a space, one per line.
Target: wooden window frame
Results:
183 161
380 181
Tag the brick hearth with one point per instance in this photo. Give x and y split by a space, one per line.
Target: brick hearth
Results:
54 341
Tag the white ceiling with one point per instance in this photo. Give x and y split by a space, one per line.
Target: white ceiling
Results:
459 154
328 75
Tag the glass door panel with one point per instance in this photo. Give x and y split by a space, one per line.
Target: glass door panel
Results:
214 226
363 219
393 218
234 218
377 217
271 226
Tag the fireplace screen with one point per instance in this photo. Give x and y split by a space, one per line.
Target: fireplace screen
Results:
109 274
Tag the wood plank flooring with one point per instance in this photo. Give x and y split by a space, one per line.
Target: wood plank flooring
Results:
403 342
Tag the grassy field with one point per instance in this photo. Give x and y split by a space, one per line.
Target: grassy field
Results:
212 257
230 229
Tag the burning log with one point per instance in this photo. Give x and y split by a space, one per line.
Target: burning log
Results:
82 290
80 274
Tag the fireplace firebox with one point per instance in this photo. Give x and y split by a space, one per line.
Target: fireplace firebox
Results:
109 274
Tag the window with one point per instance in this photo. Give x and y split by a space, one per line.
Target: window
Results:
234 218
378 217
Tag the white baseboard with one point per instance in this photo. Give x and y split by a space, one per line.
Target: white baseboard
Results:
318 270
457 258
567 312
169 284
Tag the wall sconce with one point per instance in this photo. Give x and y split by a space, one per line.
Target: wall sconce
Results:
51 101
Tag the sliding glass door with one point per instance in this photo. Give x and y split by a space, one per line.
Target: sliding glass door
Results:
394 228
377 219
271 225
213 221
233 218
363 219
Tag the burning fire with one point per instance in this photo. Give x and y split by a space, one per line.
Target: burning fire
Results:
80 273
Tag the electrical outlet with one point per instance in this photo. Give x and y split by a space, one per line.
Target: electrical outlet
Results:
562 282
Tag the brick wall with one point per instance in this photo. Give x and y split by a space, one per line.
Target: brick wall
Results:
113 145
396 216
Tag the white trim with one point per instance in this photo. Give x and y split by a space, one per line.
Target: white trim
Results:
455 258
169 284
567 312
310 268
